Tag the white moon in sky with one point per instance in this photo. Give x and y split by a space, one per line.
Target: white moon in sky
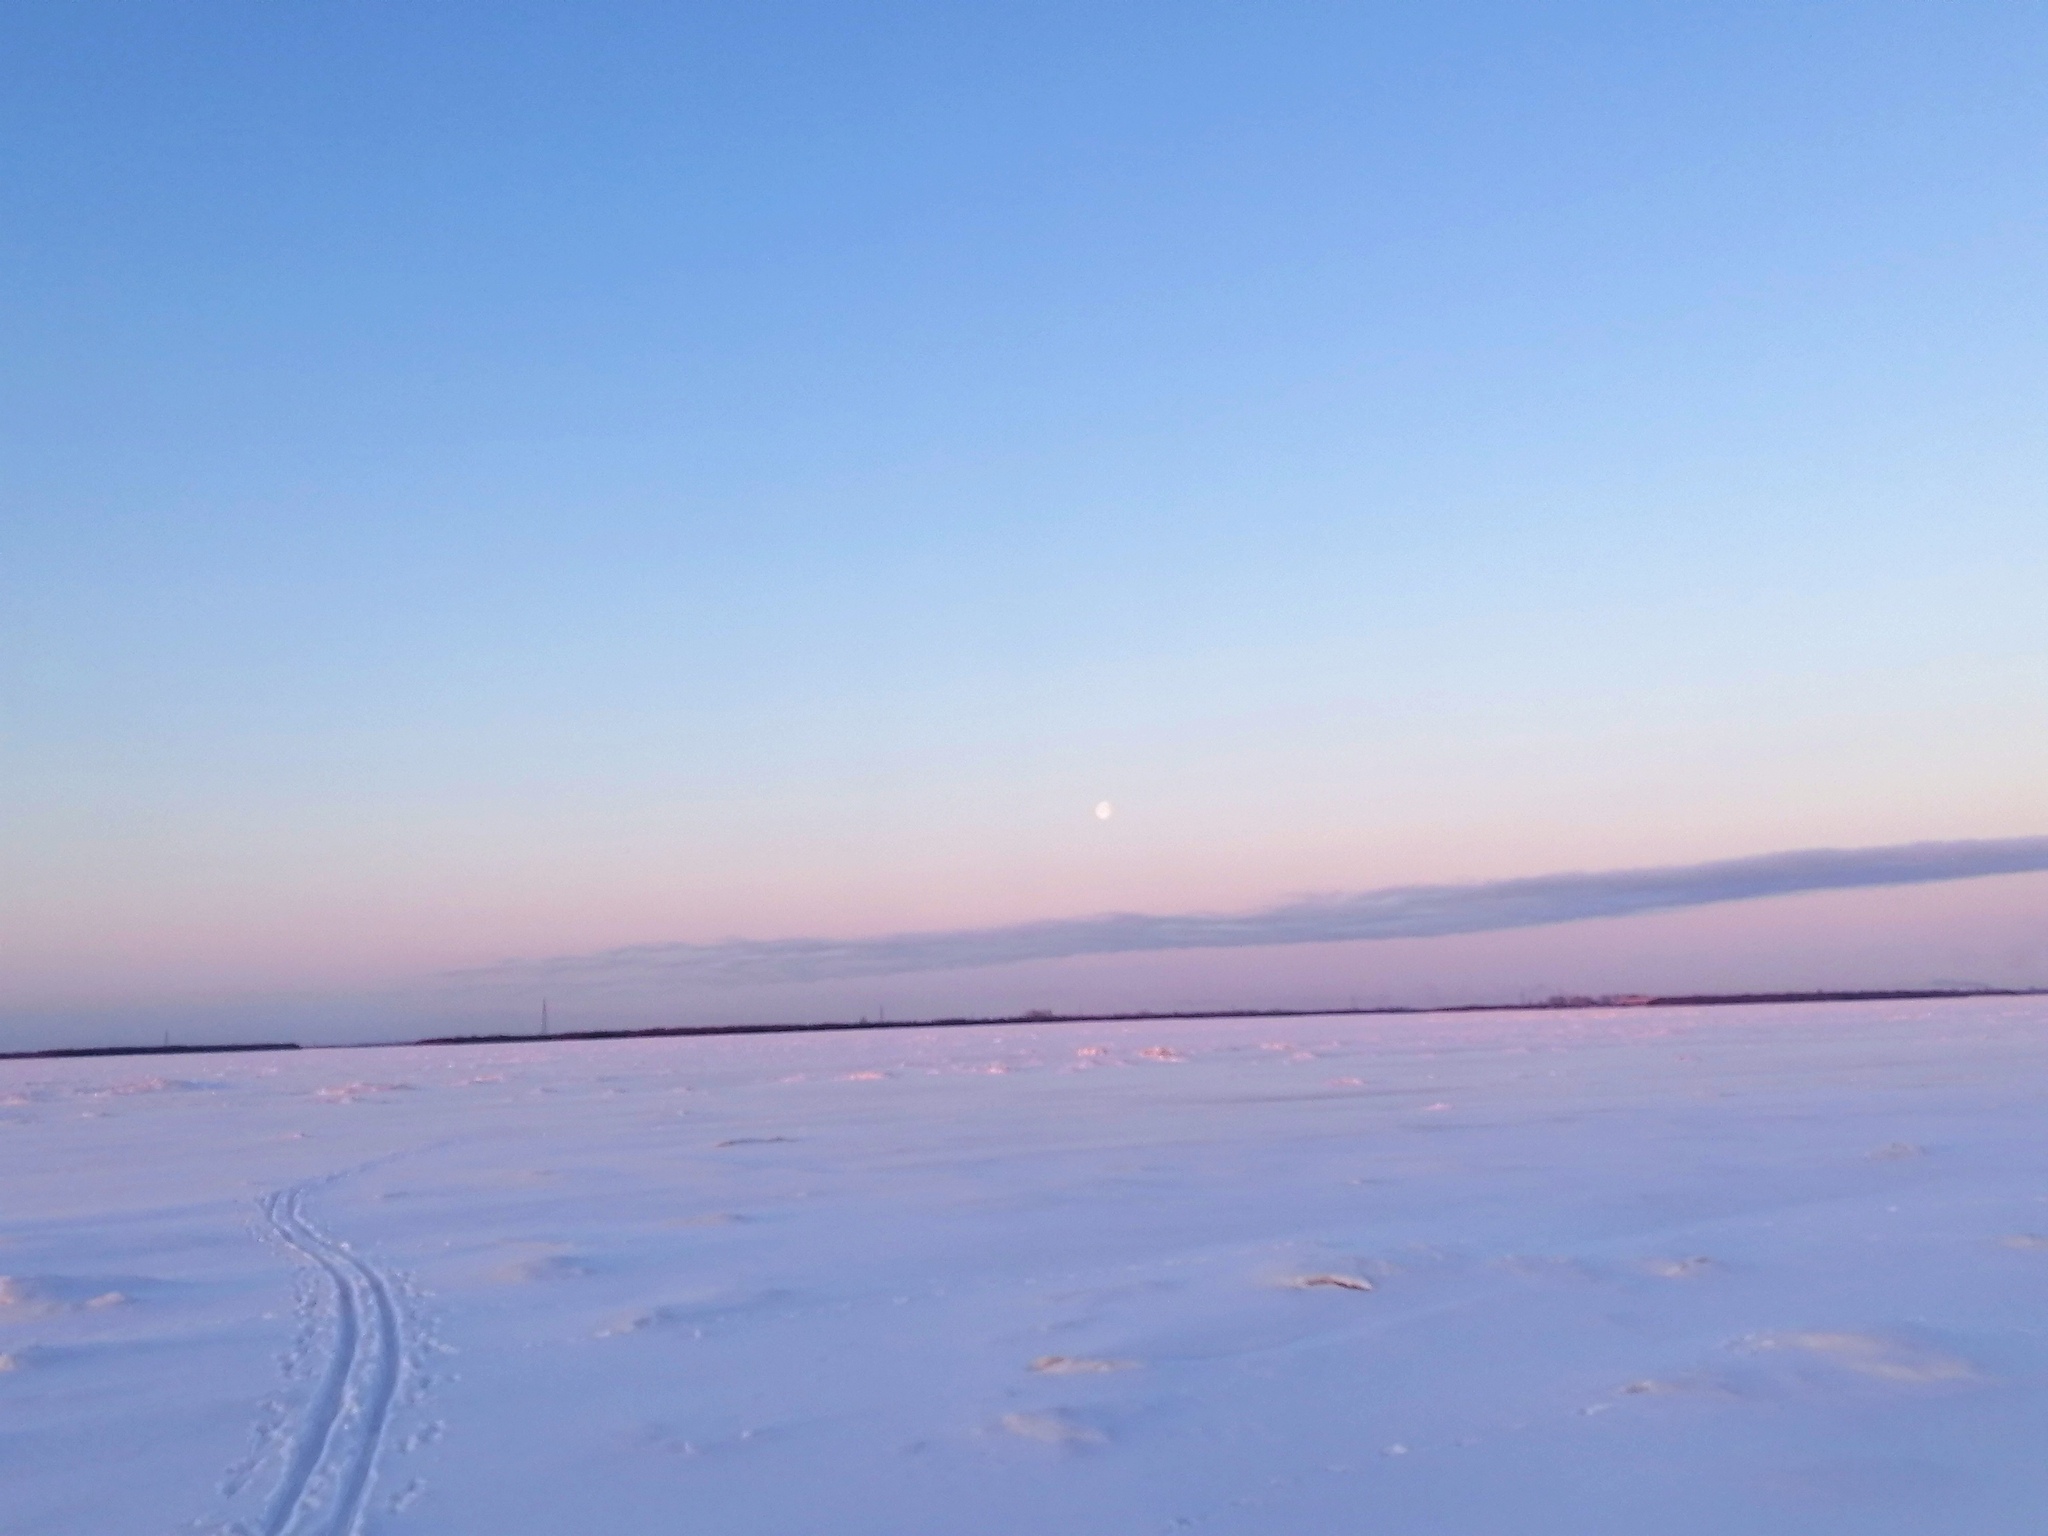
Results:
1104 810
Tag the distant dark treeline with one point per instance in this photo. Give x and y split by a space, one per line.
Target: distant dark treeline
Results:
145 1050
1044 1016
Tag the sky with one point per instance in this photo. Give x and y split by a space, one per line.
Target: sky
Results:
488 487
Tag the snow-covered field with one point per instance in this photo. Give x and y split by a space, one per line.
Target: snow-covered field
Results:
1736 1270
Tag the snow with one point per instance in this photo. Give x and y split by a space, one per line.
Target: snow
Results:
1758 1269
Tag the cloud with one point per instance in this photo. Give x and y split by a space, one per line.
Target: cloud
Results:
1401 912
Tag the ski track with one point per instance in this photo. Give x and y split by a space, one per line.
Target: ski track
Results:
333 1457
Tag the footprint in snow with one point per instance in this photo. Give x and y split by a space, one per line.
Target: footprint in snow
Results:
1052 1429
541 1267
1678 1269
640 1322
1546 1266
155 1085
693 1311
1657 1386
1336 1282
356 1093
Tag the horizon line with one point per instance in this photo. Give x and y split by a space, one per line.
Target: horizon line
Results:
1558 1003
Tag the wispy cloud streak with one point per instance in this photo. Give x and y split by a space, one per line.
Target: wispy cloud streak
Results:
1402 912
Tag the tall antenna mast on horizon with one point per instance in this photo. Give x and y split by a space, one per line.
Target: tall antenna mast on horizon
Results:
543 1017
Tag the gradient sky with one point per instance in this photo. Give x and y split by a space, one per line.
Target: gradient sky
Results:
497 482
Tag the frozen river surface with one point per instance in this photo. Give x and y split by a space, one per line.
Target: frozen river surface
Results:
1750 1270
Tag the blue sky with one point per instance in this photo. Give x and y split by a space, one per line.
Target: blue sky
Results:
496 482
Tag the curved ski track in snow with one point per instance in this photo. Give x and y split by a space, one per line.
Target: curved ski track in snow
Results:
333 1456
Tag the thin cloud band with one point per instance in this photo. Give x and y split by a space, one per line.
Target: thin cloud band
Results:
1402 912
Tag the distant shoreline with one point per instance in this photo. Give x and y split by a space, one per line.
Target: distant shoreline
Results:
1043 1016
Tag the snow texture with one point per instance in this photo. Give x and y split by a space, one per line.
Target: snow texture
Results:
1759 1269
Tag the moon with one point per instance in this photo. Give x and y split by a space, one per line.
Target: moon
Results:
1104 810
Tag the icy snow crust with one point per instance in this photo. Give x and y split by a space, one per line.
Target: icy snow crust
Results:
1758 1270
